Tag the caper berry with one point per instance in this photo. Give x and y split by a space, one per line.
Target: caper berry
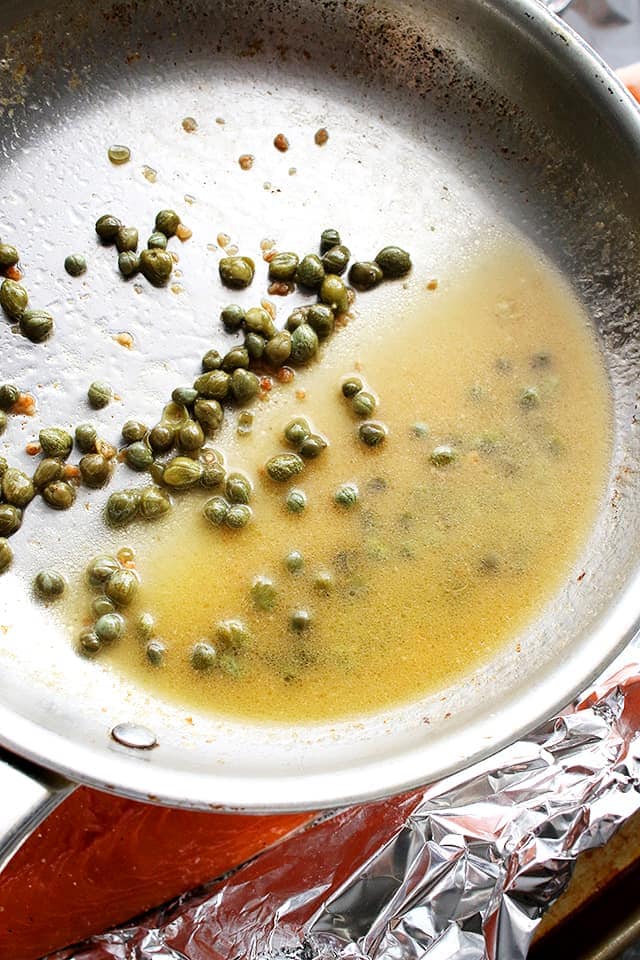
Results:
333 292
284 466
394 262
264 593
6 555
203 655
4 466
36 325
9 394
101 605
236 272
232 635
133 430
336 259
283 266
321 318
190 436
213 473
109 627
17 488
328 239
212 360
238 488
9 256
296 318
182 472
59 495
214 385
107 227
312 446
363 404
420 430
86 437
10 519
244 385
346 495
101 568
442 455
300 621
95 470
255 345
145 626
215 511
351 386
184 396
245 423
259 320
46 472
323 581
99 394
4 420
154 503
209 415
127 239
294 561
167 222
121 587
155 652
529 398
88 643
304 343
122 507
75 265
236 358
365 275
310 272
157 241
128 263
156 266
296 501
161 437
138 456
296 431
238 515
372 433
56 442
232 316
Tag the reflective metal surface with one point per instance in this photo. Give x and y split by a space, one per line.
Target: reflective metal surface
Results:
446 116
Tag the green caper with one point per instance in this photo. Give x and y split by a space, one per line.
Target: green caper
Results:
155 652
263 593
145 626
122 507
4 466
336 259
296 318
17 488
365 275
157 241
529 398
304 343
323 581
209 415
215 511
75 265
182 473
214 385
232 635
232 316
328 239
363 404
9 256
138 456
161 437
167 222
156 471
333 292
133 430
10 519
283 266
255 345
88 643
372 433
346 495
238 488
109 627
394 262
296 431
236 358
294 561
56 442
442 455
86 438
59 495
36 325
46 472
154 503
310 272
351 386
259 320
121 587
6 555
236 272
245 423
212 360
156 266
107 227
95 470
101 568
175 414
312 446
101 605
9 394
190 436
420 430
128 263
296 501
203 655
99 394
184 396
245 385
238 515
321 318
4 420
300 621
284 466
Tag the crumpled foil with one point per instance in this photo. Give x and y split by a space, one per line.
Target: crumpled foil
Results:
463 868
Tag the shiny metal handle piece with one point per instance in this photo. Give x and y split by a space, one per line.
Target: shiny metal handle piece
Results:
28 794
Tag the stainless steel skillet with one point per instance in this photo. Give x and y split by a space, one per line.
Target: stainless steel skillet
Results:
442 115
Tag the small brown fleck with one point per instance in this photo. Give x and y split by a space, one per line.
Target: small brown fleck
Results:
183 232
189 198
105 449
267 244
266 384
220 121
189 125
176 288
149 174
285 375
232 249
14 272
175 257
223 240
321 136
33 449
301 394
71 471
25 404
281 143
269 255
269 307
292 171
279 288
246 161
124 339
432 285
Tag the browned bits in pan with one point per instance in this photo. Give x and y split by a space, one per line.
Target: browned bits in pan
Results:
281 143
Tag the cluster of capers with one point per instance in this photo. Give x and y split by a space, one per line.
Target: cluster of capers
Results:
265 595
155 263
115 586
35 325
225 652
9 396
309 445
363 403
231 510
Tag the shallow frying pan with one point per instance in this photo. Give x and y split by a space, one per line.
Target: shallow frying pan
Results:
450 115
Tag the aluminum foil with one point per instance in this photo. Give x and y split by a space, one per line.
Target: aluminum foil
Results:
463 868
